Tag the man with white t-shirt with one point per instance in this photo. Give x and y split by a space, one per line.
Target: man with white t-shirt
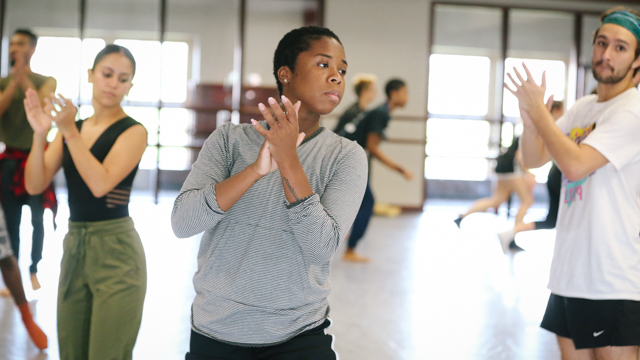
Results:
594 307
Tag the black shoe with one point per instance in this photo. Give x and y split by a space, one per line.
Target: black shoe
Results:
458 221
514 247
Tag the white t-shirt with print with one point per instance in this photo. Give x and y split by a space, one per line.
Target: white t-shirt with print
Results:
597 250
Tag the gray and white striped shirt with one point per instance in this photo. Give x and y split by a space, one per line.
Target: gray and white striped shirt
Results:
263 266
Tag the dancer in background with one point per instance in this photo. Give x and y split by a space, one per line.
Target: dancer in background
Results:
513 178
369 133
275 199
365 88
16 133
554 183
13 280
103 273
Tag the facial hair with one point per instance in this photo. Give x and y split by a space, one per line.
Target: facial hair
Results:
614 78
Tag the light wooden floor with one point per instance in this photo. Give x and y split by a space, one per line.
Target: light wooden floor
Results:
432 291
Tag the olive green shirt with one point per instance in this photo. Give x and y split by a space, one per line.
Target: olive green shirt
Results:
15 130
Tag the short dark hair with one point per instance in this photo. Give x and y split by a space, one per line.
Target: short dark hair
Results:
112 49
33 38
393 85
557 105
295 42
611 11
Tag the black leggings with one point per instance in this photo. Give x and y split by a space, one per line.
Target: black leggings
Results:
361 222
554 184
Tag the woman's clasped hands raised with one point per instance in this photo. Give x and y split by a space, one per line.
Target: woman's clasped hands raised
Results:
282 139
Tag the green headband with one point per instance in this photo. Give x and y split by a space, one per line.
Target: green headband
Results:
625 19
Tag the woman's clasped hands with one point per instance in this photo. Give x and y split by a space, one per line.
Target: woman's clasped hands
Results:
282 139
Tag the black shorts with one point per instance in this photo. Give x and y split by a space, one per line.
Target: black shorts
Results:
313 344
593 323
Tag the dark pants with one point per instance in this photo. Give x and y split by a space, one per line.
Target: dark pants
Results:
361 222
313 344
12 206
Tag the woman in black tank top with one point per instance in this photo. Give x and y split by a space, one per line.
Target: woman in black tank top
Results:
103 271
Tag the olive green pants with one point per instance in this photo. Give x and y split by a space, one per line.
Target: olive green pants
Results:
103 281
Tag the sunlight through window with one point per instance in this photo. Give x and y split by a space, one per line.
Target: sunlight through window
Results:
49 60
457 138
459 84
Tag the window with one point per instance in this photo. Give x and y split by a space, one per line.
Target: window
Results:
458 84
457 149
63 66
441 168
458 138
171 85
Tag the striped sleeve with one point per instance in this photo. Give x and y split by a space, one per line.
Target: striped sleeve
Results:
321 223
196 208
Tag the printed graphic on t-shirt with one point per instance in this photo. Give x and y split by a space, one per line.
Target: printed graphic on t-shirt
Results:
573 189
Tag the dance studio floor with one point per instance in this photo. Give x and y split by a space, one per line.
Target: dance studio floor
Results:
432 291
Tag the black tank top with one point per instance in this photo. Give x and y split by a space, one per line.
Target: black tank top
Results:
83 206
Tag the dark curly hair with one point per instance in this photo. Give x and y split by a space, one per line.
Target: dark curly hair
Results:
295 42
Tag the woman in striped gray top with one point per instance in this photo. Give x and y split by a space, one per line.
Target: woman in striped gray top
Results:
274 199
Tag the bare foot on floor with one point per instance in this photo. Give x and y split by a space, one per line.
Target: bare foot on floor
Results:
352 256
35 284
5 292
